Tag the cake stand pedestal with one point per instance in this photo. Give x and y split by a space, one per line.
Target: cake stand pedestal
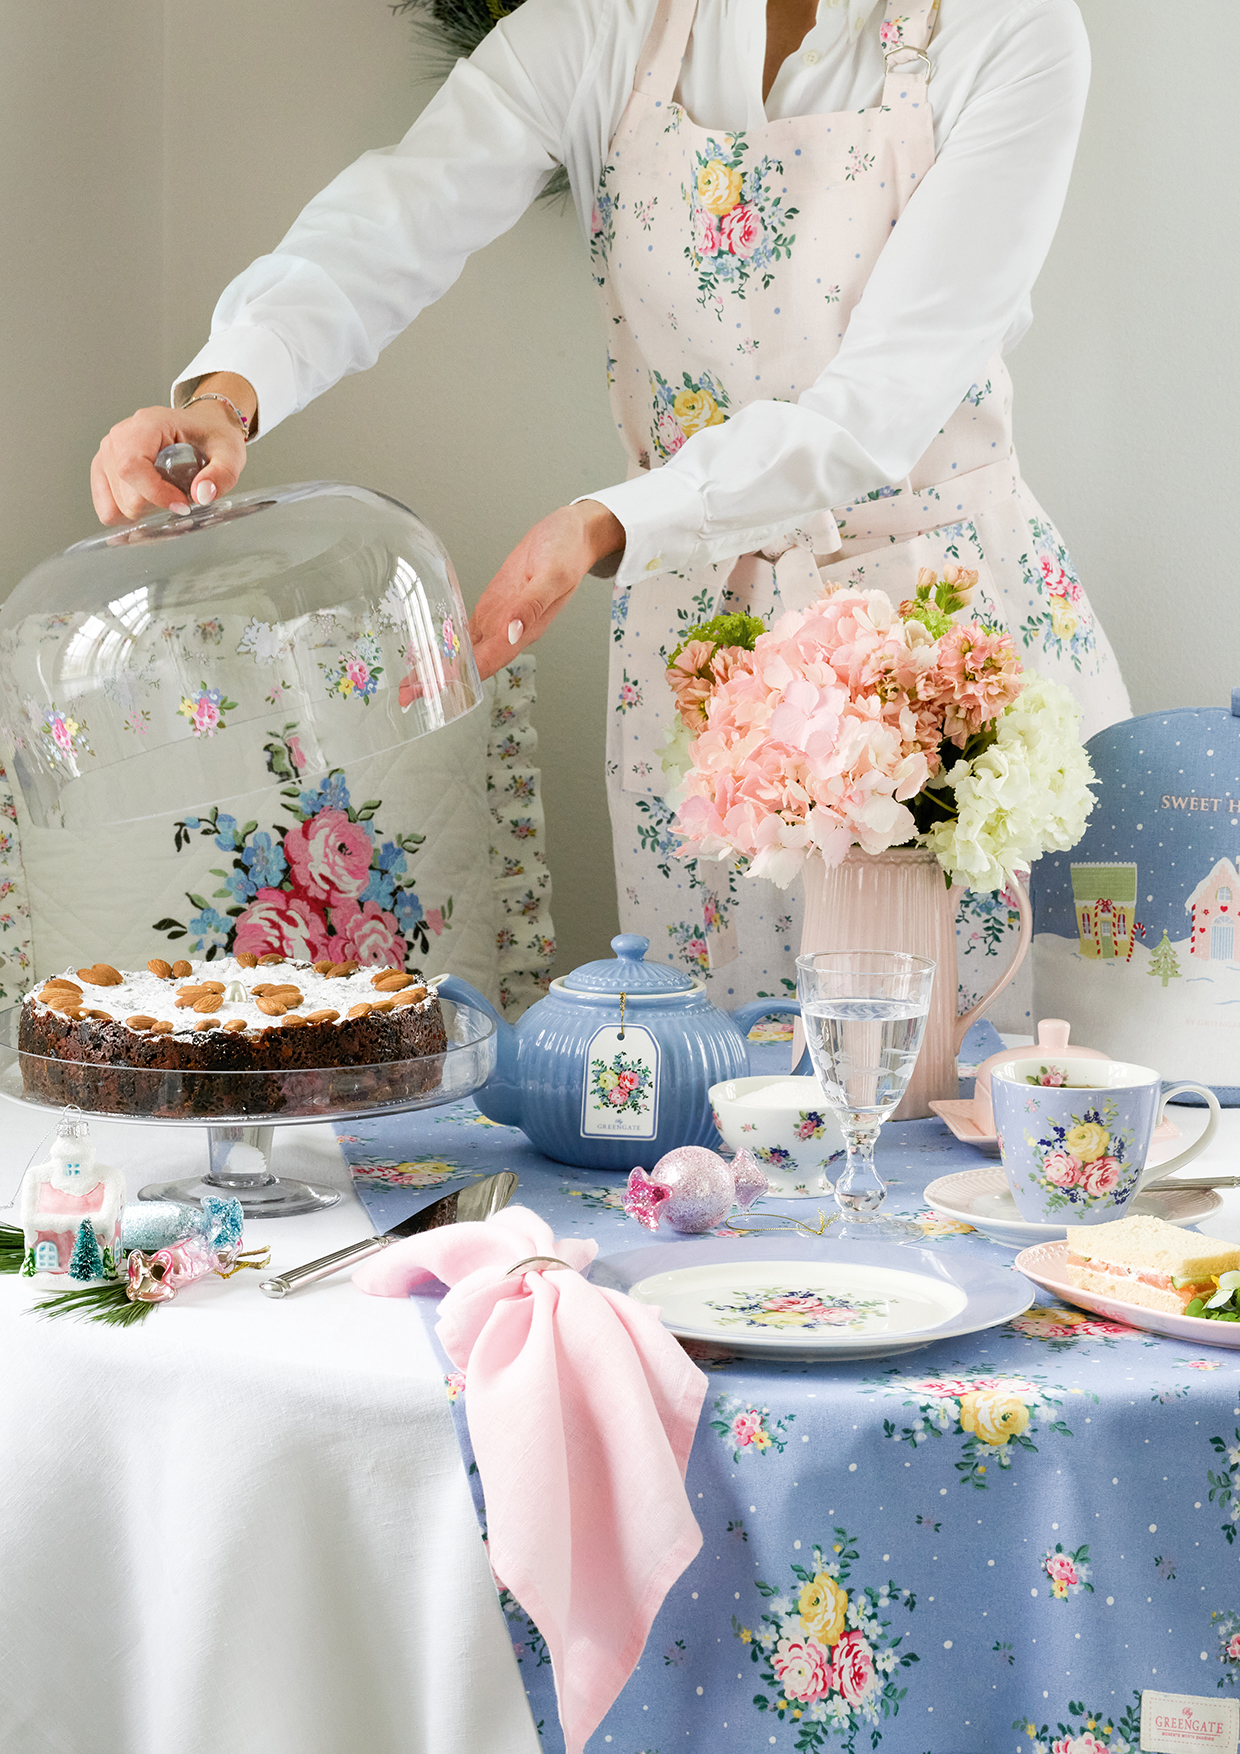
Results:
239 1144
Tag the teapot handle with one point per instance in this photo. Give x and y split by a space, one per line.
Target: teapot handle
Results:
745 1016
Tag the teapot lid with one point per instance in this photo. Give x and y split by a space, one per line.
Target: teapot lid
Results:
626 972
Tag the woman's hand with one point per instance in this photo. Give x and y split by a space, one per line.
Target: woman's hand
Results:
123 480
538 578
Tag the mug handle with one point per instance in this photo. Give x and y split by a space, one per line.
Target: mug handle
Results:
962 1023
1198 1145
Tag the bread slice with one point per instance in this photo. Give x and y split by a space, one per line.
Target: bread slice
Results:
1148 1262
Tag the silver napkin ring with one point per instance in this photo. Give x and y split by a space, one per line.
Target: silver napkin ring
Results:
545 1260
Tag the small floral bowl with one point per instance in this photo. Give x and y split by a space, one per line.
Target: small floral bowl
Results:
788 1127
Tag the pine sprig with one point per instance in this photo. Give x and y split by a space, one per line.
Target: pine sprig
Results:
454 28
97 1303
12 1248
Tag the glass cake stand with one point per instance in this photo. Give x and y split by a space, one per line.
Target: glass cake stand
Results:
240 1109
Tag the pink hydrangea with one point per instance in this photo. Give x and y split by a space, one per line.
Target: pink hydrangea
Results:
329 856
978 674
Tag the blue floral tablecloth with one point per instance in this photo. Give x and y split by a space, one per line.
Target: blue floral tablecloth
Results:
991 1544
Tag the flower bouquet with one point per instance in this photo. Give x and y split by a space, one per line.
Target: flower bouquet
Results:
854 723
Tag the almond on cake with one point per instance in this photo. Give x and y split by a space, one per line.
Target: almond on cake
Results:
1148 1262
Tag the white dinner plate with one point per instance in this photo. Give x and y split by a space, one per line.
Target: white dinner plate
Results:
982 1198
814 1298
1046 1266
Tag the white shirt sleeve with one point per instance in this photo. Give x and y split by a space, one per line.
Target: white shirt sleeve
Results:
392 233
950 287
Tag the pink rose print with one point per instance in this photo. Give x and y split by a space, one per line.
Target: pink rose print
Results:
329 856
889 33
741 230
1233 1648
206 715
1100 1176
745 1427
276 921
61 734
1060 1568
1084 1744
803 1667
1054 1077
617 1095
1061 1169
628 1081
358 672
705 232
854 1667
668 431
367 935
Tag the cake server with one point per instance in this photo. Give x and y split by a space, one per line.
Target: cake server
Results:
461 1206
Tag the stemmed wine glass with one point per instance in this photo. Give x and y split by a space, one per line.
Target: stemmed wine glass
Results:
864 1013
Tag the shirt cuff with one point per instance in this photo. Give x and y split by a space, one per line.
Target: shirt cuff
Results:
662 516
253 354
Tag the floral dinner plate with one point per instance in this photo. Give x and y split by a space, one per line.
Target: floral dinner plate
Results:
813 1298
1046 1266
982 1198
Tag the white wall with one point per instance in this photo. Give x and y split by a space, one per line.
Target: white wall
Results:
152 149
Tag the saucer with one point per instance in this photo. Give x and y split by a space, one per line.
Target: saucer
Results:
982 1198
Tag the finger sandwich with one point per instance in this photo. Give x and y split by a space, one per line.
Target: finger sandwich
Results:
1148 1262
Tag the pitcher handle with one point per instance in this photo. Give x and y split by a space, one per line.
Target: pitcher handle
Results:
1009 973
1197 1146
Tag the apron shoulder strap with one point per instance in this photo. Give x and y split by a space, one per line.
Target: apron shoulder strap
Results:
911 32
658 65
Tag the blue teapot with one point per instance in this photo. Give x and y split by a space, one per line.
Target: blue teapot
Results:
613 1067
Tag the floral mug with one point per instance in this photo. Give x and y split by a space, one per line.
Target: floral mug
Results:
1075 1134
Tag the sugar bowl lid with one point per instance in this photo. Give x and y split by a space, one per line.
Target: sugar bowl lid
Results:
628 972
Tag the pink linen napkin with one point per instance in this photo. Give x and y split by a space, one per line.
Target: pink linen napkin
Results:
582 1410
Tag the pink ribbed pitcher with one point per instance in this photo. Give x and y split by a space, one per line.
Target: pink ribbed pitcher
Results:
898 900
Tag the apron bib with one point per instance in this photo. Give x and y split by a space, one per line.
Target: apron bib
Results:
729 264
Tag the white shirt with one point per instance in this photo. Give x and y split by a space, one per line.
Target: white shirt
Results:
548 86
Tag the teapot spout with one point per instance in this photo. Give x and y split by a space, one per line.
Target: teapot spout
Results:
500 1097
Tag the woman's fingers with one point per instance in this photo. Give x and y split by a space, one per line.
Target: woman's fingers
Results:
537 580
124 481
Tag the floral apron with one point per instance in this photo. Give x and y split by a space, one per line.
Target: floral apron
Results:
729 264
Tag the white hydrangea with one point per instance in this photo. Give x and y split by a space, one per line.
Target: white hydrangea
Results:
1026 795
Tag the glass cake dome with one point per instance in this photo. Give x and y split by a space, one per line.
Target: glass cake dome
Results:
326 617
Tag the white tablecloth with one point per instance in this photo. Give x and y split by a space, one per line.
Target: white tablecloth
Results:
243 1526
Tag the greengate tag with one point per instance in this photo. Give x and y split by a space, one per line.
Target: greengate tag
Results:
621 1097
1187 1723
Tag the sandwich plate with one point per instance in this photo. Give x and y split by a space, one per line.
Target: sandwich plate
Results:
1047 1266
982 1198
813 1298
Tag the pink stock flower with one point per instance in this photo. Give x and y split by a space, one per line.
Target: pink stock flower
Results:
1061 1169
705 232
329 856
366 934
741 230
1059 1566
278 922
854 1667
1100 1176
803 1667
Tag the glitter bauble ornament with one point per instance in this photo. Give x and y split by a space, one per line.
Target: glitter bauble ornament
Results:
700 1188
749 1177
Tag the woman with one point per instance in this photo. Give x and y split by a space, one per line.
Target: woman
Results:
814 236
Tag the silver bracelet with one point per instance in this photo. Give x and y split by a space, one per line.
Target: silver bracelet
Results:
214 396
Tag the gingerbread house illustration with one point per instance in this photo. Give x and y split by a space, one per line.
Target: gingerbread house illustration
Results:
1105 899
1213 907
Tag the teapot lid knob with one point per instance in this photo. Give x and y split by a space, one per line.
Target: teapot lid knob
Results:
630 945
1053 1034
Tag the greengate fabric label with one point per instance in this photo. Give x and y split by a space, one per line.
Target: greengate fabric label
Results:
621 1097
1185 1723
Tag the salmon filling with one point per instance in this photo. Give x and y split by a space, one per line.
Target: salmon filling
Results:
1159 1281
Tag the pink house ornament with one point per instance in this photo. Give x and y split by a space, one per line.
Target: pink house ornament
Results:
71 1212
